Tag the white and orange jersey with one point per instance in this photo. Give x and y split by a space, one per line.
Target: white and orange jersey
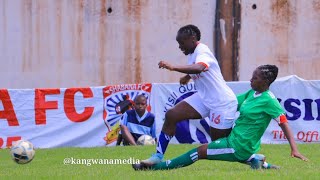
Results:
210 84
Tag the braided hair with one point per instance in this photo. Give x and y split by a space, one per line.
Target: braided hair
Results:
269 72
190 30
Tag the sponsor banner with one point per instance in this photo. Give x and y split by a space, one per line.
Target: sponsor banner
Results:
89 116
164 97
52 117
299 98
79 117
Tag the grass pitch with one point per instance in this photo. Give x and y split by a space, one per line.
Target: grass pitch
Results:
49 164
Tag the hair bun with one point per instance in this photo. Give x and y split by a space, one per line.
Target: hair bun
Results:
269 72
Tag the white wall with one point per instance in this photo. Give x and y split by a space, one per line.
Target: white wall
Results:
281 32
72 43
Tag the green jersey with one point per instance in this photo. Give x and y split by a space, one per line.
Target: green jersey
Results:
256 112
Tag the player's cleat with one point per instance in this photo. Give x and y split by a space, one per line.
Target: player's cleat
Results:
136 167
269 166
272 166
139 167
257 161
154 159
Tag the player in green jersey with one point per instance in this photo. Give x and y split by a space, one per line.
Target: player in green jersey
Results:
257 107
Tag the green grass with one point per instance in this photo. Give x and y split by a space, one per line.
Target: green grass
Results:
48 163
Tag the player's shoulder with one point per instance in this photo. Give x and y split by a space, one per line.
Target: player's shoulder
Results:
271 95
151 115
249 93
272 99
203 53
202 48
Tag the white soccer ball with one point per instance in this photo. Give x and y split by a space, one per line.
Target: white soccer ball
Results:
22 151
146 140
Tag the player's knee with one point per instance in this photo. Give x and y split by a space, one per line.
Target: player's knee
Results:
219 133
170 116
168 127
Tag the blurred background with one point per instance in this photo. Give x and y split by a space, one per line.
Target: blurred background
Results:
80 43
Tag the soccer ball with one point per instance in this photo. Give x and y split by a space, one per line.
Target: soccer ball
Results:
22 151
146 140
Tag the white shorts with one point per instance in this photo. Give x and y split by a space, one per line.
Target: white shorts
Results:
222 118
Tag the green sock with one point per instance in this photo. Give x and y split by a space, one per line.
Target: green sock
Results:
181 161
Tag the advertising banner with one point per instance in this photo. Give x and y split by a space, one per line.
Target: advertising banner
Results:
89 116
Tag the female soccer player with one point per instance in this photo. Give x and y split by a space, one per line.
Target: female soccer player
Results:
214 98
257 107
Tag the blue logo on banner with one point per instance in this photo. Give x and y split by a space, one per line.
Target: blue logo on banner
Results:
183 133
114 106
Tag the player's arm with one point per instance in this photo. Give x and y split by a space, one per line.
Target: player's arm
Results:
283 123
187 69
185 79
127 135
274 109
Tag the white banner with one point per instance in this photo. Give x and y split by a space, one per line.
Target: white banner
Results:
52 117
164 97
87 117
79 117
301 100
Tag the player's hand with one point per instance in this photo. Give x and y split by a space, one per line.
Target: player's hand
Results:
165 65
298 155
184 80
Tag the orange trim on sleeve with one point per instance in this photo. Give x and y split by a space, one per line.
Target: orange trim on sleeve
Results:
283 119
206 65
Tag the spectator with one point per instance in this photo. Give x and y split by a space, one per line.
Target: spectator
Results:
137 122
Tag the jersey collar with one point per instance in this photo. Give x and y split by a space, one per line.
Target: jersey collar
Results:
142 117
256 95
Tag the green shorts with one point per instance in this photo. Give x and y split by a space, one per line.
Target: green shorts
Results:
221 150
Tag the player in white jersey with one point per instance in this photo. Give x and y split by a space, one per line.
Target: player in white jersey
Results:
214 98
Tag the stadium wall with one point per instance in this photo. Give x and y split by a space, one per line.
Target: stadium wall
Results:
76 43
281 32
